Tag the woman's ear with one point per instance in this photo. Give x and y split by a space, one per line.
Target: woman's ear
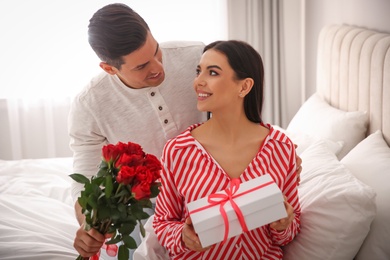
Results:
246 86
108 68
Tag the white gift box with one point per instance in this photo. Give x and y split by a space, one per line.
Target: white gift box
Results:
259 200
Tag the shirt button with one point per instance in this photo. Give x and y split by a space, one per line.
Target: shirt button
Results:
160 108
152 94
166 121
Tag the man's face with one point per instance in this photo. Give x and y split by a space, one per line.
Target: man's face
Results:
143 67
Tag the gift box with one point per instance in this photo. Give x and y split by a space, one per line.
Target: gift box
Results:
237 209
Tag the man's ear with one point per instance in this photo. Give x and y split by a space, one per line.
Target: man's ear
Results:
246 86
108 68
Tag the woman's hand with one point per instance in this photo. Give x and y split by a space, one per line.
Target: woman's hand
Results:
190 239
284 223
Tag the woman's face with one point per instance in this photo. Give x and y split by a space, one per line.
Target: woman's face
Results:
215 84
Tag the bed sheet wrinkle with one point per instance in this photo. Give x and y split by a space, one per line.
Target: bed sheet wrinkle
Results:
37 218
35 225
42 251
41 177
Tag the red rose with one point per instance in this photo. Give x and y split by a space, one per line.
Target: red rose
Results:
152 162
129 160
110 152
141 190
144 174
126 175
130 148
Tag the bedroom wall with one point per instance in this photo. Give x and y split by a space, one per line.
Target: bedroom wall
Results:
371 14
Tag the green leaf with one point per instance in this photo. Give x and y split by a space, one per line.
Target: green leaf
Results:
79 178
146 203
123 192
123 253
97 180
126 229
121 208
115 214
143 215
130 219
92 201
103 169
82 201
104 212
129 242
154 190
138 212
114 240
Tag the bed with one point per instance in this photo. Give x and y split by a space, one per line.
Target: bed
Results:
37 217
343 137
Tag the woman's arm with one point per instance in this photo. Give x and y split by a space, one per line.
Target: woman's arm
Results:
169 217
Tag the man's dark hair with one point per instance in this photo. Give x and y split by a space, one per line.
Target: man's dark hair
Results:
115 31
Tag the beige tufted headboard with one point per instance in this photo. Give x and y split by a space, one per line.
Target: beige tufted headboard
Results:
353 72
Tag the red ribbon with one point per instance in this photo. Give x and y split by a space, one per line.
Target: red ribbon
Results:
111 250
221 199
230 194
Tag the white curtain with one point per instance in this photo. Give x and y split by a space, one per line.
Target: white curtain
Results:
47 60
260 23
34 128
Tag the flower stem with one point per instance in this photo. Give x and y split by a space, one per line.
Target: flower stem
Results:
141 228
81 258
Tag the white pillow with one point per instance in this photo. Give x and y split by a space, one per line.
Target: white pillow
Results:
336 209
317 118
369 161
304 141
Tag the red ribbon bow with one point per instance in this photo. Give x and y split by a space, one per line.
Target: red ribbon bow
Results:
111 250
221 199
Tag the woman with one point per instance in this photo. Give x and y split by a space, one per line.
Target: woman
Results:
233 143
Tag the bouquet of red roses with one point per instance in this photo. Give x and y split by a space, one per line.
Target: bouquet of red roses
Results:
113 200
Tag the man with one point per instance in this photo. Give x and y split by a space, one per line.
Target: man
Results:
123 103
135 99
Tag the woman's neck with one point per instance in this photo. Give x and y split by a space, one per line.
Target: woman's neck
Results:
228 128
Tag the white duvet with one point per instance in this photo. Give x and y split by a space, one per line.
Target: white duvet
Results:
36 214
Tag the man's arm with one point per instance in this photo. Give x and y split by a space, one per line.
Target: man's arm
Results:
86 144
79 216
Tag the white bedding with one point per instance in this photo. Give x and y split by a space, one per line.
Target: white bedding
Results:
37 217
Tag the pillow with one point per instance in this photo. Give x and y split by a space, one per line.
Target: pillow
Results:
304 141
369 161
336 209
317 118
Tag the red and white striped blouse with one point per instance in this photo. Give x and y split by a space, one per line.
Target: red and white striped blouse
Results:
190 173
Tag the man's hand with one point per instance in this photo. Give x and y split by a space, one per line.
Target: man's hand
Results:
190 238
299 166
88 243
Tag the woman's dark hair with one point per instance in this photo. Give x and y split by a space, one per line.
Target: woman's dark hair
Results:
246 63
115 31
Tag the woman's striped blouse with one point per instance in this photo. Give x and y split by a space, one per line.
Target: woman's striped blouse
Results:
190 173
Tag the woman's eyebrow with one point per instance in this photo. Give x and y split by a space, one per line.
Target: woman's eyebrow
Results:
214 66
